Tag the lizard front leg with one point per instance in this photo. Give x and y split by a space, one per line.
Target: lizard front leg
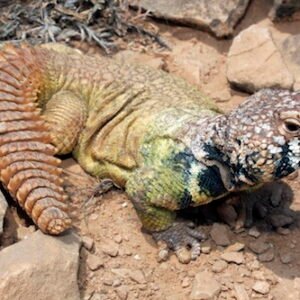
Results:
65 114
156 195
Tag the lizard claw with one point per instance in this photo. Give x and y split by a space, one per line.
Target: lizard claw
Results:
181 238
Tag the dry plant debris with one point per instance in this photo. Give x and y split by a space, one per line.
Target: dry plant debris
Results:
99 22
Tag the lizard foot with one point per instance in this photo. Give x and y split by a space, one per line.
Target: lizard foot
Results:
183 239
266 203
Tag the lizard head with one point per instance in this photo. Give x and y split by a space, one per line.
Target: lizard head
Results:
264 136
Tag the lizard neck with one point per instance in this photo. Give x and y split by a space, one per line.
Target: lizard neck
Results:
213 144
229 151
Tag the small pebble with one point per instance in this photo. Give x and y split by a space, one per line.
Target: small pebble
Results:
110 249
185 282
108 282
258 275
219 266
122 292
94 262
261 287
286 258
93 217
241 293
266 256
233 257
137 257
283 231
281 220
253 265
254 232
236 247
118 239
219 233
137 276
259 246
117 282
87 242
205 249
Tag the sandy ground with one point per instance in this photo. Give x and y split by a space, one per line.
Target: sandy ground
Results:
121 261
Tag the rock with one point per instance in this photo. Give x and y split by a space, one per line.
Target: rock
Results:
281 220
258 275
267 256
286 257
219 17
254 265
254 232
94 262
233 257
3 207
110 249
219 266
206 247
185 282
261 287
284 8
219 233
137 276
240 292
40 267
117 282
87 242
236 247
122 292
118 239
259 246
283 231
254 62
289 49
205 287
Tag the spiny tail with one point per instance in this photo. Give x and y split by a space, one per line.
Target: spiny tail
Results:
28 168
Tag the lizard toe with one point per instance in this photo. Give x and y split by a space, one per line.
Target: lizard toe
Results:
184 240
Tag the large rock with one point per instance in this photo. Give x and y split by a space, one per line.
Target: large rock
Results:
41 267
254 62
219 17
285 8
3 207
290 49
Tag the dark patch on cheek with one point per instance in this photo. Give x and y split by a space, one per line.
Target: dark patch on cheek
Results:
284 168
214 153
210 182
184 159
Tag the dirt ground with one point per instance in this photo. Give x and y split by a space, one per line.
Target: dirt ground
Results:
123 258
118 261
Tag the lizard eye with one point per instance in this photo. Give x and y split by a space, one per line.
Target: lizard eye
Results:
291 126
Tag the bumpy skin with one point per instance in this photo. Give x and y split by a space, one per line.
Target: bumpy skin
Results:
28 168
154 134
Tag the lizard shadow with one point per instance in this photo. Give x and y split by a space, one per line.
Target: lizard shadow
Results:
272 234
